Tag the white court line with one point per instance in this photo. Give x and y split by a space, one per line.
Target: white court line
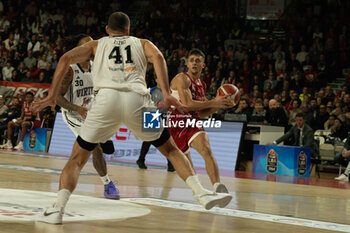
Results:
243 214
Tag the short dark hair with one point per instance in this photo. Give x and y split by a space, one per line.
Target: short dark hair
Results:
196 52
245 100
300 114
30 93
71 42
118 21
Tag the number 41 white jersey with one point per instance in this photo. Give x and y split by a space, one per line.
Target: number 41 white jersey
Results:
120 63
80 92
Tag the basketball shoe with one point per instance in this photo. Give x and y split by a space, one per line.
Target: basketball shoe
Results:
210 199
342 177
141 164
111 192
220 188
19 146
7 145
53 215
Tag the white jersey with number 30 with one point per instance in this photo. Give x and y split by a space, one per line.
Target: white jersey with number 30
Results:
120 63
80 92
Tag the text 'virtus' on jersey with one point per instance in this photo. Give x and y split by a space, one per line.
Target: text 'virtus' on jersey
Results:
119 42
85 91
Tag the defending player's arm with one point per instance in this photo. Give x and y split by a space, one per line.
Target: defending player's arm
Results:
63 102
154 56
77 55
181 83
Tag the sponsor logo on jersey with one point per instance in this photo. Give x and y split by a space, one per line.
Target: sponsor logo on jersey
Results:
85 91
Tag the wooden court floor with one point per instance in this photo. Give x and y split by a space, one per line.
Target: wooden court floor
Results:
254 201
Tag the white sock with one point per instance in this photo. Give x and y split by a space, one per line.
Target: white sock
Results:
195 185
62 198
105 179
216 185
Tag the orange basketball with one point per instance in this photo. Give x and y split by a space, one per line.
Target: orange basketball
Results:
229 89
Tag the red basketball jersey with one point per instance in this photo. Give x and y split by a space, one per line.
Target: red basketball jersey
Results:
197 91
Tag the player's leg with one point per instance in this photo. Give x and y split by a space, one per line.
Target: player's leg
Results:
144 150
100 124
201 144
99 162
8 144
68 180
24 126
170 166
166 145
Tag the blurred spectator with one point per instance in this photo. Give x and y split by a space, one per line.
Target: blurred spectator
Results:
30 61
280 62
338 130
243 108
270 82
293 113
42 62
304 93
259 113
343 158
321 118
7 72
3 50
47 116
10 43
3 106
301 56
16 59
34 44
276 115
13 112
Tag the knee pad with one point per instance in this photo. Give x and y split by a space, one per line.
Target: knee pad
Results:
164 137
107 147
86 145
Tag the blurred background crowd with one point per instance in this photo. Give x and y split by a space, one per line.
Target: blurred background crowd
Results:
299 61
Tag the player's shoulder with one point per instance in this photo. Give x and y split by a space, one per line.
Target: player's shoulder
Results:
181 78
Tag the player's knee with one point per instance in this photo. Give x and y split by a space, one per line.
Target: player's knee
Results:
86 145
206 152
97 152
164 137
107 147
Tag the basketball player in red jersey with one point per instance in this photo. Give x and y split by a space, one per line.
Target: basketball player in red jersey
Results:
28 119
189 89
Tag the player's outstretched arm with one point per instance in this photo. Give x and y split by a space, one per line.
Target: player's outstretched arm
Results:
77 55
181 83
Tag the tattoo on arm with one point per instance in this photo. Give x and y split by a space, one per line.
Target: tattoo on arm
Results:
66 82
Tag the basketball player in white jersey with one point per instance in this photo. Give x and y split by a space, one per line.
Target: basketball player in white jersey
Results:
75 96
119 70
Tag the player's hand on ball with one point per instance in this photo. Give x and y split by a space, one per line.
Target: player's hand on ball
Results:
223 101
82 111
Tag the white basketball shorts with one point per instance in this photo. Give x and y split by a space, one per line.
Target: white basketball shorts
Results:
111 109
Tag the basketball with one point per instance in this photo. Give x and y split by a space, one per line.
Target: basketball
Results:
229 89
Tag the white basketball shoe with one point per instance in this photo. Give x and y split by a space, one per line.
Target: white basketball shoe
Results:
210 199
52 215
